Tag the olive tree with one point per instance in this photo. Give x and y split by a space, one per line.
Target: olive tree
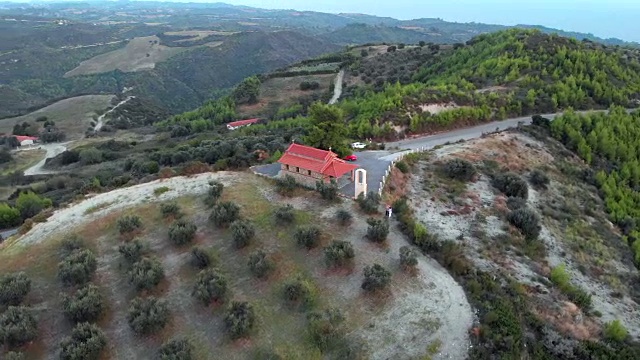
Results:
260 264
239 319
338 253
376 277
85 305
242 232
146 273
14 288
210 285
176 349
18 326
182 232
147 315
78 267
85 343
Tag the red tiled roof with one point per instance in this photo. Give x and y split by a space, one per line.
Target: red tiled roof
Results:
21 138
310 152
316 160
337 168
242 122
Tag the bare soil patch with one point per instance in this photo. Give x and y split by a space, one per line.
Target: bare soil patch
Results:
72 115
139 54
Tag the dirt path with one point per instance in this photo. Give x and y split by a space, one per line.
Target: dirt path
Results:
337 88
101 204
101 117
53 150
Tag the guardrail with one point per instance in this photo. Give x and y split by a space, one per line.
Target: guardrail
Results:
393 163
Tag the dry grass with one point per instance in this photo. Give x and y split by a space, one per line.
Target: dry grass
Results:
284 92
139 54
22 160
73 115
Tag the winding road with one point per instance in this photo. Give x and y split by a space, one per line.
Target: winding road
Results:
337 88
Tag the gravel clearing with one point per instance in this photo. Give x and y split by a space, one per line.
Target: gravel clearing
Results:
76 214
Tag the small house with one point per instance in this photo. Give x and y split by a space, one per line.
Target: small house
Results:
238 124
26 140
308 165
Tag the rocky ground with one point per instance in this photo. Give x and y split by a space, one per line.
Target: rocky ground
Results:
575 230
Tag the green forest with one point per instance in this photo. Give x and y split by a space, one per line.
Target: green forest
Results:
611 144
509 73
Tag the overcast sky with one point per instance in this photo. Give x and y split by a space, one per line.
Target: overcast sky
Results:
604 18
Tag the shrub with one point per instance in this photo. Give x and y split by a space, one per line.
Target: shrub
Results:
560 277
182 232
376 277
402 166
14 288
615 331
170 209
9 216
369 203
511 185
160 190
224 213
285 214
459 169
423 239
132 251
70 244
286 185
77 268
343 217
338 253
378 230
214 193
17 326
539 179
199 258
210 286
177 349
85 305
90 156
29 204
408 257
259 264
129 223
515 203
308 237
148 315
86 343
242 232
328 191
527 221
14 355
577 295
326 327
298 291
239 319
146 273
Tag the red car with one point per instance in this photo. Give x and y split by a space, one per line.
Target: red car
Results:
351 157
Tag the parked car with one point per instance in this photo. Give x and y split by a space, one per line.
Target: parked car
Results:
358 145
352 157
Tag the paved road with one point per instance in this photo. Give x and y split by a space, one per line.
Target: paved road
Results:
53 150
337 88
4 234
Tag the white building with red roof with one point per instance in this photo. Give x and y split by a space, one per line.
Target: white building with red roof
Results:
26 140
308 165
238 124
